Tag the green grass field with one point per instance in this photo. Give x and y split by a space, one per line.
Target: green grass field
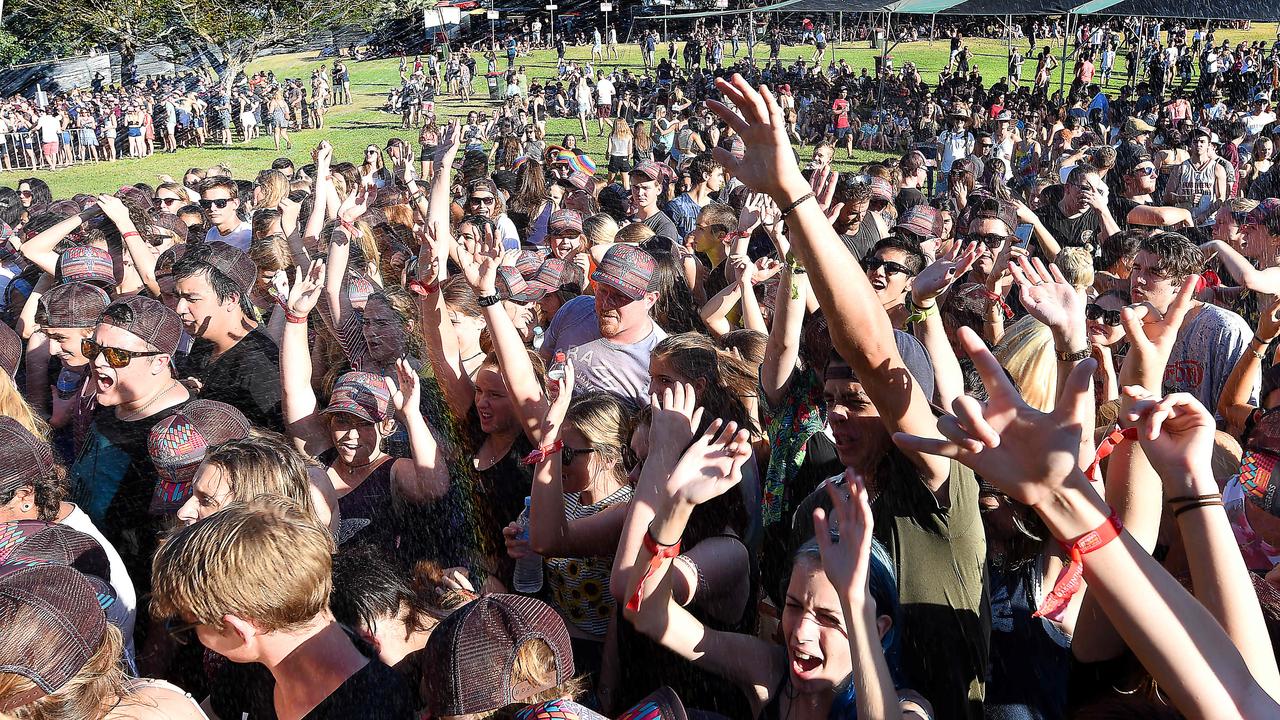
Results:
351 127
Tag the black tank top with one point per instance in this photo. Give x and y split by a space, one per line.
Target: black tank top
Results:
366 512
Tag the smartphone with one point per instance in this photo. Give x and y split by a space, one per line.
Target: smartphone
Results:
1023 233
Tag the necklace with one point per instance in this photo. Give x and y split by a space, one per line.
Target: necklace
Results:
349 466
473 357
135 414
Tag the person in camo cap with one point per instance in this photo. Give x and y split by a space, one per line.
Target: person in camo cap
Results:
67 316
178 445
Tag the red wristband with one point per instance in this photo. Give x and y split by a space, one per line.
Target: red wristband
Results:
298 319
134 233
1106 447
1068 583
995 297
542 453
660 553
422 289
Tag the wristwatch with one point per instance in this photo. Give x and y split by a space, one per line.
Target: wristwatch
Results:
488 300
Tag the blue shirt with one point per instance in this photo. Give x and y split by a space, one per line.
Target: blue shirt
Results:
683 211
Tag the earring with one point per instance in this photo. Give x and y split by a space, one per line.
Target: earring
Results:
26 507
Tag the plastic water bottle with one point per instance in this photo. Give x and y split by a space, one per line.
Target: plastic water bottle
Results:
556 371
528 575
537 338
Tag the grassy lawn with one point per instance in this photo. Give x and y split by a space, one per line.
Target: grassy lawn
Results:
351 127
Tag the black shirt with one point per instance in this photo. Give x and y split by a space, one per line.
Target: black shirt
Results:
1072 232
861 241
663 226
908 197
246 377
246 690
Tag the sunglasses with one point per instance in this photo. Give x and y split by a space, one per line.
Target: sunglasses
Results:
991 240
220 203
872 264
482 200
158 240
370 152
25 193
165 202
1145 171
116 357
1096 312
180 632
567 454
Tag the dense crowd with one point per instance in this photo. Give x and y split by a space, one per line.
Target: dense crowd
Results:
481 426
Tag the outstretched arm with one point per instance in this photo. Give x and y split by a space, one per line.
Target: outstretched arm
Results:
1233 404
860 329
297 399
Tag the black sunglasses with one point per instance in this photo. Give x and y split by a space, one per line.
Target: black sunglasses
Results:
482 200
220 203
116 357
567 454
1096 312
165 202
872 264
991 240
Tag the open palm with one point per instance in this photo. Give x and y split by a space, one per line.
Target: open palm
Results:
1047 295
712 465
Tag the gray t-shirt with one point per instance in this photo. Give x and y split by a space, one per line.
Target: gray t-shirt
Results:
1207 349
600 365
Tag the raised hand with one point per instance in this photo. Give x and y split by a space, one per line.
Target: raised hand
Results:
674 416
323 154
941 273
756 117
406 389
1269 322
765 269
712 465
1176 433
844 539
113 207
480 259
742 269
355 204
306 289
1049 298
823 185
557 410
448 144
1024 452
1151 335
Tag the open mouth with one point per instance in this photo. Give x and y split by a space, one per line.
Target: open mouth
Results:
804 665
105 382
878 284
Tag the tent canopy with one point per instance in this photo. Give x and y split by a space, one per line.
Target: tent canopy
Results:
1256 10
1015 7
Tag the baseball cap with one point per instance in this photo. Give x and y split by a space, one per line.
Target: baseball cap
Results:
136 196
470 654
578 180
172 223
72 305
230 261
148 319
1004 116
1136 125
549 274
359 287
985 206
178 444
10 350
528 262
85 263
23 456
482 185
881 189
627 269
661 704
1201 130
53 626
169 258
511 285
36 542
362 394
971 165
565 222
922 220
656 172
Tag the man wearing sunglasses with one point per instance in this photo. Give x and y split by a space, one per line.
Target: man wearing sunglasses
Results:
890 267
1134 204
232 360
483 200
113 479
220 198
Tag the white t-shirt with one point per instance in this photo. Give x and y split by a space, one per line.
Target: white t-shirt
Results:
604 92
238 238
955 145
50 128
1254 123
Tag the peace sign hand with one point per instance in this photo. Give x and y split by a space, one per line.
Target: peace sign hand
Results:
941 273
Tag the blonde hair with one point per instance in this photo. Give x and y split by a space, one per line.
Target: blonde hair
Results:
13 405
265 463
633 234
265 560
1076 265
95 689
600 229
1026 352
602 420
275 186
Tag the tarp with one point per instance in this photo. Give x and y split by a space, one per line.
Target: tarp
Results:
835 6
921 7
1256 10
655 11
1015 7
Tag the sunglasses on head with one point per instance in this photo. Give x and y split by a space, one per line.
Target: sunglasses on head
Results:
567 454
220 203
872 264
116 357
1096 312
990 240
